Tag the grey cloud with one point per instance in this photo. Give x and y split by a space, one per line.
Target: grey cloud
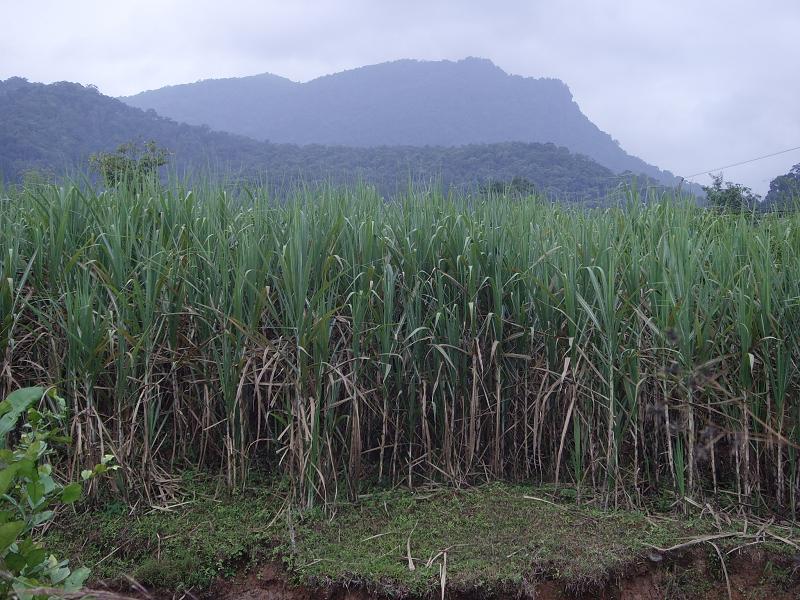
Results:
685 85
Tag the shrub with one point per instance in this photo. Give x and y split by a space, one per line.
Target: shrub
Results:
29 493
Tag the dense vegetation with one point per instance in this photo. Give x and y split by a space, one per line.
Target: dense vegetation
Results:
784 191
643 350
54 128
491 541
405 102
731 197
30 494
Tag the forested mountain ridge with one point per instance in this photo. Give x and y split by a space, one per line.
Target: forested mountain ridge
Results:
57 127
405 102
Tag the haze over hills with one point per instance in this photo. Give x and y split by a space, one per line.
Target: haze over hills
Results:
57 127
405 102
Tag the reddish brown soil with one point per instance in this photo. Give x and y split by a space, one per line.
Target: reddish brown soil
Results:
690 578
748 575
269 583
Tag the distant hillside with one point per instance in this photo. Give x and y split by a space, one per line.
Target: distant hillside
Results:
56 127
405 102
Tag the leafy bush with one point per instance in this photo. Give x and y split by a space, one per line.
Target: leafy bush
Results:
730 197
29 494
131 163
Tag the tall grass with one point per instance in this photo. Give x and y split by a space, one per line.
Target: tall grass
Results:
645 349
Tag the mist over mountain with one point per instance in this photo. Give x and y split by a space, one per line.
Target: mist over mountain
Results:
55 128
405 102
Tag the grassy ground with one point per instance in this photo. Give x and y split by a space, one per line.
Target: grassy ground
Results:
486 538
492 536
207 534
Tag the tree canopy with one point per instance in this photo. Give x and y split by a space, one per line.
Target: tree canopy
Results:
784 190
729 196
132 162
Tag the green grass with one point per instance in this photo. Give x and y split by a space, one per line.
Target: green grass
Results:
336 340
493 535
209 533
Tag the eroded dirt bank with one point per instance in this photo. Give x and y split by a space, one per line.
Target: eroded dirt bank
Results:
751 575
492 541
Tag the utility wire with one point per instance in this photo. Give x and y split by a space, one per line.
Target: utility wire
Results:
621 176
744 162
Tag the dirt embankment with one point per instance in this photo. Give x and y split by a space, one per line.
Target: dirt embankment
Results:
752 575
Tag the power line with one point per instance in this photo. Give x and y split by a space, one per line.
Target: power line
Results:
688 178
744 162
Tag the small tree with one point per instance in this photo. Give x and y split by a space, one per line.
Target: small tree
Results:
132 163
730 197
517 187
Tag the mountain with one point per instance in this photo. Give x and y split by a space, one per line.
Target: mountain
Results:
56 127
406 102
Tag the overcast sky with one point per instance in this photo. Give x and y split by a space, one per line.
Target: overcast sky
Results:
687 85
